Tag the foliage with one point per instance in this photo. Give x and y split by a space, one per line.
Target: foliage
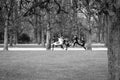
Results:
24 38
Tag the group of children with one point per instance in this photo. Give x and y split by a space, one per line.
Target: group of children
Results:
66 42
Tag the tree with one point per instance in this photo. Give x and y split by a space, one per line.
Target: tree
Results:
86 8
50 7
111 11
7 8
113 8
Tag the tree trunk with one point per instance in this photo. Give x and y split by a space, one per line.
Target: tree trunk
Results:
114 52
42 37
48 39
6 36
108 24
89 41
38 36
114 43
15 38
98 35
35 35
11 40
103 36
103 30
100 26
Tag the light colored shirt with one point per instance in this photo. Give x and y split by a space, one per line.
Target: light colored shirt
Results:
60 40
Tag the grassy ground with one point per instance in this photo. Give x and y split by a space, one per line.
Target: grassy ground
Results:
53 65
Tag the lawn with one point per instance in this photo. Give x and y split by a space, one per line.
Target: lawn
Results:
53 65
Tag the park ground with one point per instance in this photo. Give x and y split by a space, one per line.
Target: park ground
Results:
53 65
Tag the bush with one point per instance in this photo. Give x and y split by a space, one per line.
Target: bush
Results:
1 37
24 38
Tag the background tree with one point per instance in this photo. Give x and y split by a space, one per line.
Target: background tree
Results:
110 9
8 10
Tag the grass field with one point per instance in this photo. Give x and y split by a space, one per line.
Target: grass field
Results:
53 65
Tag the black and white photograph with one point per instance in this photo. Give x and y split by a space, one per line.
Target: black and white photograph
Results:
59 39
